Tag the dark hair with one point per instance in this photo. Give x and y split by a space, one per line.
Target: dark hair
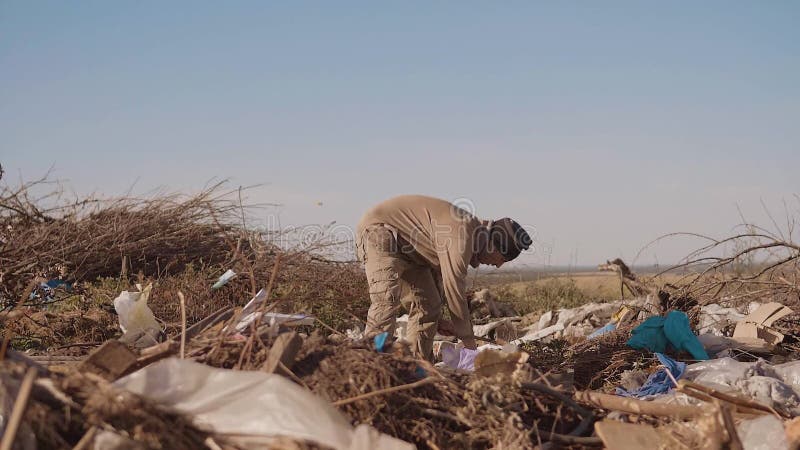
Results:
509 238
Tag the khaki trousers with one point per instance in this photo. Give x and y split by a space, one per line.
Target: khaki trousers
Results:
395 279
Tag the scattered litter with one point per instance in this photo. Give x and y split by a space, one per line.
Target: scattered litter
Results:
238 386
109 361
400 331
503 329
536 335
224 278
250 313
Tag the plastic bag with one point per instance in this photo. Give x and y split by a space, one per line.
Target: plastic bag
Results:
251 312
137 321
459 358
770 385
258 405
763 433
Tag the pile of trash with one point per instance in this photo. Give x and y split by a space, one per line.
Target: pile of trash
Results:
708 376
253 378
249 377
134 340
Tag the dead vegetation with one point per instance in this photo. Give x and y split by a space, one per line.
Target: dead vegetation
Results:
92 249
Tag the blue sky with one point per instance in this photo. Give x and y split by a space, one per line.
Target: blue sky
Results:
599 124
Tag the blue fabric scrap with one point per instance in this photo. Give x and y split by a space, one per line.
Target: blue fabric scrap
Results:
659 382
380 341
657 332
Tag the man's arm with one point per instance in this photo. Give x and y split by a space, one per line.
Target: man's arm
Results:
454 279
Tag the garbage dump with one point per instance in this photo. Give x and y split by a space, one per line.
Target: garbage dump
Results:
275 357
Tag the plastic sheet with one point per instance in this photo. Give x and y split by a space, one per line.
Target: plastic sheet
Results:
714 318
763 433
255 404
459 358
790 373
771 385
726 371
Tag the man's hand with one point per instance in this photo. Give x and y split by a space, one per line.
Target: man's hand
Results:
469 343
446 328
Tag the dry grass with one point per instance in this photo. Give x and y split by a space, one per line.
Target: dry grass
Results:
566 290
177 242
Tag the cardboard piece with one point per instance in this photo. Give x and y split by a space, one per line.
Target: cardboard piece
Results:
111 360
715 344
756 324
493 362
628 436
638 407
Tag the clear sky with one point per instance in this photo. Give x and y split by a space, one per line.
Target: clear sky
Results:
599 124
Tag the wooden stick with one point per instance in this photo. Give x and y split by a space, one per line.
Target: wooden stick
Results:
688 387
569 439
183 324
4 346
636 406
388 390
87 439
734 443
18 410
8 334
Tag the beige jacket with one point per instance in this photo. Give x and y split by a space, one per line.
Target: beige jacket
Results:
442 235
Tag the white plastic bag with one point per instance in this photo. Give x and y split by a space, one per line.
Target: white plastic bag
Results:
258 405
137 321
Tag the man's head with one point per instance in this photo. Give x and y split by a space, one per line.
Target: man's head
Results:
500 241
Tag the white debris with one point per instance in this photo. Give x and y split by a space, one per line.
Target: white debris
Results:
715 318
137 321
251 312
775 386
253 408
764 433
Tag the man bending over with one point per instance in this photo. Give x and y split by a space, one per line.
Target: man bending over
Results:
416 250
